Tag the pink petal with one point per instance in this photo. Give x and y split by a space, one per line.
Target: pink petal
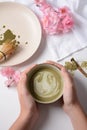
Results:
7 71
9 82
67 23
55 20
16 76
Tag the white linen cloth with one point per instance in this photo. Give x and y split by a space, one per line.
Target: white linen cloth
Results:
58 47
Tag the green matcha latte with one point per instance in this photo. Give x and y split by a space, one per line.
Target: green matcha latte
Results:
45 83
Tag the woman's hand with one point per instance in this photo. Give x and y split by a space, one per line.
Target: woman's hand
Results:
27 104
29 110
69 93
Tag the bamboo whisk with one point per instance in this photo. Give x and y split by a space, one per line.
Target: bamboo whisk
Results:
7 49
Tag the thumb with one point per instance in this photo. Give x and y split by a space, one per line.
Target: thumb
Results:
22 87
23 80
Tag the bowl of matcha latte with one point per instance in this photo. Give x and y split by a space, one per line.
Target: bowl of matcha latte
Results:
45 83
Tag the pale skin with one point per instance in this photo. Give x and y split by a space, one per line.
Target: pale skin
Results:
29 111
28 108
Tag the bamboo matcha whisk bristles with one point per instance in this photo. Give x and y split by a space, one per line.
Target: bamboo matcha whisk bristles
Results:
8 48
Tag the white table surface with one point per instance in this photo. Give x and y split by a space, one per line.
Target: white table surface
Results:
52 117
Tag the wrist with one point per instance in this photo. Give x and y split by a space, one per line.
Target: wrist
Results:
77 116
22 123
28 117
25 117
69 108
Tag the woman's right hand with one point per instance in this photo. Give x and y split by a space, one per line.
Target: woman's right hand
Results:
69 93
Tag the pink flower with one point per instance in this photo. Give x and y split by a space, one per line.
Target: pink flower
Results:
44 6
16 76
55 21
39 2
67 23
13 76
9 82
63 11
60 27
50 22
7 72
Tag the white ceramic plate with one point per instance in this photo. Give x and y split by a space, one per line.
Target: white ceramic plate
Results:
22 21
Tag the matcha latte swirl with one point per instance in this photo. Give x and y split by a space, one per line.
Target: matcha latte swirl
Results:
46 84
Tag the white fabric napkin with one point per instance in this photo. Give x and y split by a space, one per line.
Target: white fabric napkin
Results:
57 47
